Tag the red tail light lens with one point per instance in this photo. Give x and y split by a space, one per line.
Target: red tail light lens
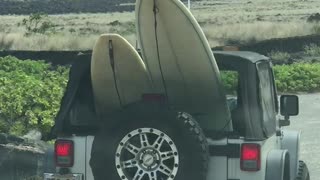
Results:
250 157
64 153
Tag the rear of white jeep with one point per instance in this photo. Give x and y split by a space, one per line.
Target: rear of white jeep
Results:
153 142
75 126
72 155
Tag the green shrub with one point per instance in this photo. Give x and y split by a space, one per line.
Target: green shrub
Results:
298 77
230 81
37 23
30 94
279 58
312 50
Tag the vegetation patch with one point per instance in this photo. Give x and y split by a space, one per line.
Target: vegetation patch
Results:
125 28
30 94
279 57
37 23
297 77
230 81
312 50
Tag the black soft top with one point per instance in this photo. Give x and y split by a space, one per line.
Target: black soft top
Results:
245 56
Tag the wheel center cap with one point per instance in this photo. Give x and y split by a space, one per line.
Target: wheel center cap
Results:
148 159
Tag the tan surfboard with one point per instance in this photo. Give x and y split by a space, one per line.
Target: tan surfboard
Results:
180 60
119 76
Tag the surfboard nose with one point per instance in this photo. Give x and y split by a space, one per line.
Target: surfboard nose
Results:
119 76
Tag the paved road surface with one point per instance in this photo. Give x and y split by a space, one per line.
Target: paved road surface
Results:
309 123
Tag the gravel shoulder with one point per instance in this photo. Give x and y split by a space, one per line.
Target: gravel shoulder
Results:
308 122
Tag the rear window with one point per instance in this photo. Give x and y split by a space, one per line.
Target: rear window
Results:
267 94
230 83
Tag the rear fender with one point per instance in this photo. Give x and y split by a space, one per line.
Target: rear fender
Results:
291 142
278 162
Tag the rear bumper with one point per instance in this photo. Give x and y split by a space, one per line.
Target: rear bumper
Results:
51 176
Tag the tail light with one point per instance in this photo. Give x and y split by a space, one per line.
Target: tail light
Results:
250 157
64 152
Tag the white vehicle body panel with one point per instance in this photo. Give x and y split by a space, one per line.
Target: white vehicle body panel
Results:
89 175
79 164
217 164
82 151
234 164
217 168
223 168
220 167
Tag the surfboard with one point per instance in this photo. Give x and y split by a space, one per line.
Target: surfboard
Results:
118 74
180 60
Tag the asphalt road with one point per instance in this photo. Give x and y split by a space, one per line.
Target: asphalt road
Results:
308 121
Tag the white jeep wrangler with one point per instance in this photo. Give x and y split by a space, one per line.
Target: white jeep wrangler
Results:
149 141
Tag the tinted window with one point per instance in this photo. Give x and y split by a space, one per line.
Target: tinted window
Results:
231 82
266 93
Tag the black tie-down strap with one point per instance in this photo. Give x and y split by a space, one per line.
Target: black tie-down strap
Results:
112 63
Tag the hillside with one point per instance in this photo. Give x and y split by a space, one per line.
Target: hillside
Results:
225 22
64 6
23 7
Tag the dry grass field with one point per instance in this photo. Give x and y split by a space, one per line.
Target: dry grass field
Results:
223 21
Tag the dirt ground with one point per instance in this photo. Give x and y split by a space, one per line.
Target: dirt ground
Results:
309 123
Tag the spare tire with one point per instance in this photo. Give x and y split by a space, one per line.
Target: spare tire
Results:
149 142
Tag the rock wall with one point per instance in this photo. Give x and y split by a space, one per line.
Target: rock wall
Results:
63 6
23 158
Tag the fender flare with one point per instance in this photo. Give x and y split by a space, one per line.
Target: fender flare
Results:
278 163
291 142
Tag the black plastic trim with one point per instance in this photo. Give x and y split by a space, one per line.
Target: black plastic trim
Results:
229 150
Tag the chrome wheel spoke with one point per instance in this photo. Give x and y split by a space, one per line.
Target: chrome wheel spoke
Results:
132 148
129 163
152 176
158 143
144 140
139 174
166 155
165 170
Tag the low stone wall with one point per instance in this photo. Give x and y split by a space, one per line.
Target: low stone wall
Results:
63 6
23 159
54 57
19 162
